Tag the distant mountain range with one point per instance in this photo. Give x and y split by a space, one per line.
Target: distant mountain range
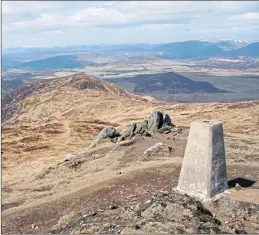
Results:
201 49
191 47
66 57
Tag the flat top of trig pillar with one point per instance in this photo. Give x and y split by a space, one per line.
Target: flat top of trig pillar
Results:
207 122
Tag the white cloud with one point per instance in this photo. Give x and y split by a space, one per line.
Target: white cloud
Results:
119 13
11 7
45 21
138 18
6 8
246 17
100 16
155 27
54 32
251 16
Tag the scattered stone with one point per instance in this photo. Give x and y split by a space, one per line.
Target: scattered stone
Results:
159 149
70 157
75 163
238 186
127 142
163 193
114 140
113 206
166 131
129 231
179 130
33 226
121 138
169 213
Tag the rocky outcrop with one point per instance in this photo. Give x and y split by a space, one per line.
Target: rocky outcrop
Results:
155 121
171 213
164 212
139 128
107 132
158 122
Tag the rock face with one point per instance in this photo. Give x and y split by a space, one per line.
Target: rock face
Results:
107 132
203 172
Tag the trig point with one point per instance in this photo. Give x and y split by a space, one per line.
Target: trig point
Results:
203 172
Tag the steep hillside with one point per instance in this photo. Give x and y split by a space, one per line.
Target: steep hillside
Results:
42 193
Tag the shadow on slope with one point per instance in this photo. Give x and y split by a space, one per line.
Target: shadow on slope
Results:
171 83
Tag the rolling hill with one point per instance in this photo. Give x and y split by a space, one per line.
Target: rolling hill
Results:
54 58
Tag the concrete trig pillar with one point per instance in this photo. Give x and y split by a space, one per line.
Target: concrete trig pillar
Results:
203 172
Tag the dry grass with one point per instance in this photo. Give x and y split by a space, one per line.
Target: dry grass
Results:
64 120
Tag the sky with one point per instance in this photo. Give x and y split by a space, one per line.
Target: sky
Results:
63 23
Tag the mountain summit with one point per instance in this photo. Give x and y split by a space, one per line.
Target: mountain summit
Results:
48 121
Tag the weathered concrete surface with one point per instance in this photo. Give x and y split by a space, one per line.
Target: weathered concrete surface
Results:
203 172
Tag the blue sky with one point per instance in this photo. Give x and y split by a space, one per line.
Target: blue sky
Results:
61 23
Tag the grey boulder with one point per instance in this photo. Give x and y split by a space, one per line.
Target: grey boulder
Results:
107 132
155 120
159 120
